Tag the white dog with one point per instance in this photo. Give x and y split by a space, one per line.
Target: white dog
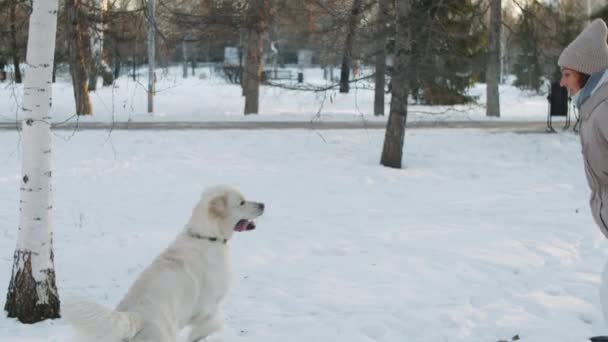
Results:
184 286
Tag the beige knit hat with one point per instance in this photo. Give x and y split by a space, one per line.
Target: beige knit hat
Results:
588 53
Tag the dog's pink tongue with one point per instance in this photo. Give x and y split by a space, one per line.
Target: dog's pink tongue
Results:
241 226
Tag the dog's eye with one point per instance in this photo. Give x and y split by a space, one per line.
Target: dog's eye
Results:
242 202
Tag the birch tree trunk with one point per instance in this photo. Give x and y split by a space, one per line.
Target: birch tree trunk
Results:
493 62
14 46
348 47
77 56
381 34
257 25
32 293
392 151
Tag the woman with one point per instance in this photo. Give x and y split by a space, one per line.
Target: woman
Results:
583 66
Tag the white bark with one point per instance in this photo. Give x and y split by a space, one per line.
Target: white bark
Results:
34 223
35 229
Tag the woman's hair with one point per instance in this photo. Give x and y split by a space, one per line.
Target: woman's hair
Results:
583 78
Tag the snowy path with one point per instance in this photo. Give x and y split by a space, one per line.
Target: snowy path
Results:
512 126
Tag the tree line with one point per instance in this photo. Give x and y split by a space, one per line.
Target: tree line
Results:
451 47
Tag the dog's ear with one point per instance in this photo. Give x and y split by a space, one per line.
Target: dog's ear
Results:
218 206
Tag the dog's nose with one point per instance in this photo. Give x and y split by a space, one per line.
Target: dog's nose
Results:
261 206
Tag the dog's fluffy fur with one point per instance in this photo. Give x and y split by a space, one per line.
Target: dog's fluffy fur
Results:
184 286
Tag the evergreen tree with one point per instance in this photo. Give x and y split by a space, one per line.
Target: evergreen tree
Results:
541 34
527 67
448 50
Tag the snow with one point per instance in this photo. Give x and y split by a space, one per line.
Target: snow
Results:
482 236
208 97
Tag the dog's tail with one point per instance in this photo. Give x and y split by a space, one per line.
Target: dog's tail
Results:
98 322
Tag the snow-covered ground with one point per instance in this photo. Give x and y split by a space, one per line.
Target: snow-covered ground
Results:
208 97
481 237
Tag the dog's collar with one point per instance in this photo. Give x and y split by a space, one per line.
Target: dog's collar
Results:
208 238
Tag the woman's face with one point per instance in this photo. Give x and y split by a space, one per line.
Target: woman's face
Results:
571 79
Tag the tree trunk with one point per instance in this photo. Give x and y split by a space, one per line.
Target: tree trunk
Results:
32 293
151 12
134 65
242 60
14 46
95 44
2 72
104 68
107 74
95 57
77 55
381 34
493 62
257 25
92 77
54 75
392 151
252 75
348 47
117 62
194 66
185 59
99 65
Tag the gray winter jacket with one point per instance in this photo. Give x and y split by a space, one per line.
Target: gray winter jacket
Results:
593 111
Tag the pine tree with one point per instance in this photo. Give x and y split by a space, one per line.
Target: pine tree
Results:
527 67
448 49
540 35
